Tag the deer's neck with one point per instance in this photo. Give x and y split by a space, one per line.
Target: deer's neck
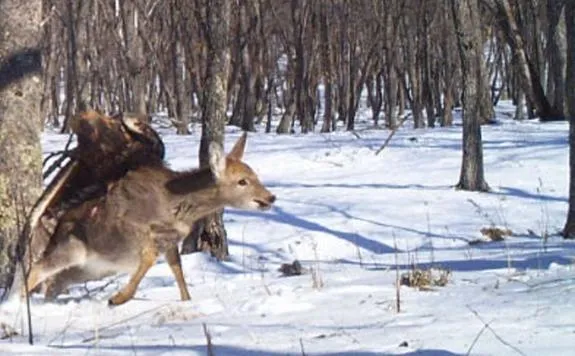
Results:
195 195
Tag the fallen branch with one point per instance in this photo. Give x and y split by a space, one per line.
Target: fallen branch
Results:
486 326
392 133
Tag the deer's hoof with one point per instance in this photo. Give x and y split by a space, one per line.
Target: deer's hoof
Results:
118 299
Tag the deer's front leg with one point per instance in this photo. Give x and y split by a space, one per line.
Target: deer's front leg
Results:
168 235
148 257
173 258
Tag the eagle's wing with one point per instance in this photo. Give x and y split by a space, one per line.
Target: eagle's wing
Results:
107 148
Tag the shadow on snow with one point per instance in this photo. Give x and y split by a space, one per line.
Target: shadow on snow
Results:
222 350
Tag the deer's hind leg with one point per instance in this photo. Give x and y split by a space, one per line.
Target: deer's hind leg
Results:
63 254
148 256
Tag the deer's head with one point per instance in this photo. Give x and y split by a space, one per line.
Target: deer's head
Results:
233 182
238 184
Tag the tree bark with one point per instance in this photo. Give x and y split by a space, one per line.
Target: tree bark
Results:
209 233
71 64
466 22
556 55
20 124
285 124
527 69
569 229
327 66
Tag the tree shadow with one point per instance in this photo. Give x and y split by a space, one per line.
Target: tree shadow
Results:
284 217
527 261
411 140
520 193
224 350
274 184
261 252
347 215
520 251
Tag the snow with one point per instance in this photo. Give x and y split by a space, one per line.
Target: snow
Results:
354 220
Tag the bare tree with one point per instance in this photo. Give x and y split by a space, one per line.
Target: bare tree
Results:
209 233
20 123
569 229
466 22
526 62
556 55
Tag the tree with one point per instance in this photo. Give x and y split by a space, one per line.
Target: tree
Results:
209 233
525 64
556 49
569 230
20 123
467 28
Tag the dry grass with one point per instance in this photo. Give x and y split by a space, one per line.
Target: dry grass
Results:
175 313
316 278
6 331
492 234
426 279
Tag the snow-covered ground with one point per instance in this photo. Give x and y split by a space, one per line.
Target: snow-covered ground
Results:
351 218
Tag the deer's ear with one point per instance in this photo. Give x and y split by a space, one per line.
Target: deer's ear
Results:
237 151
217 160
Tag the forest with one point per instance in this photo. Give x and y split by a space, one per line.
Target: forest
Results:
151 56
401 138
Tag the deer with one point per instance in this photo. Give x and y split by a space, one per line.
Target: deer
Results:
146 213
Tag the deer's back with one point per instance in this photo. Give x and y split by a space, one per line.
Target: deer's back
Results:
120 223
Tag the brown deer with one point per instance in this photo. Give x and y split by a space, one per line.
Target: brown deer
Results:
144 214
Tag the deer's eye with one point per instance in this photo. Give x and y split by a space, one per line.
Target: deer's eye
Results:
242 182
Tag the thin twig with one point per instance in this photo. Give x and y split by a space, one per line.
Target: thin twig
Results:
397 279
89 292
209 344
392 133
69 142
301 347
65 153
487 326
476 338
23 236
124 321
51 155
55 165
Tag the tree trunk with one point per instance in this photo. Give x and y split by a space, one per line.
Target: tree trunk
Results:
391 97
401 96
209 233
520 108
426 75
569 229
71 65
447 112
302 84
327 66
287 119
556 55
137 68
466 22
527 69
20 125
375 95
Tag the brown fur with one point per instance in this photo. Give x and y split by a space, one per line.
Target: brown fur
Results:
108 148
144 214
